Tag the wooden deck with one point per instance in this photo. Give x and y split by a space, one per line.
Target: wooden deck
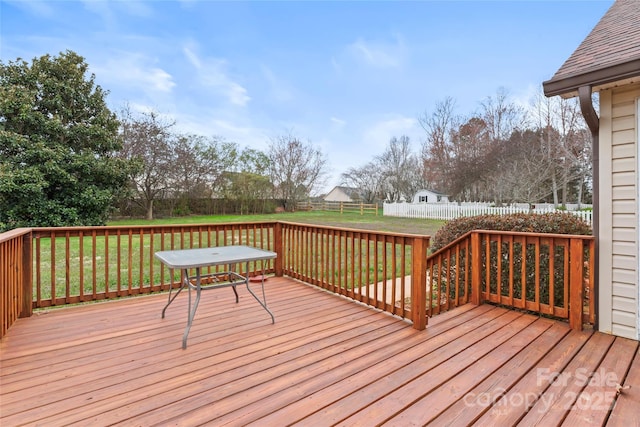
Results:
326 361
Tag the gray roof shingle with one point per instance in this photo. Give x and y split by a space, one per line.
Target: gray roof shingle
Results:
613 44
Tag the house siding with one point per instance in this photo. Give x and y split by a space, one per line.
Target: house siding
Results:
341 194
618 243
337 196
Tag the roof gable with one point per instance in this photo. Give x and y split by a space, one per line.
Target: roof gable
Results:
611 52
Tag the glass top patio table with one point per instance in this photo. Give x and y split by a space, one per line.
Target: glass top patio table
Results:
187 259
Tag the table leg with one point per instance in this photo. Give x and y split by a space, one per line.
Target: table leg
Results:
184 281
192 310
232 269
263 304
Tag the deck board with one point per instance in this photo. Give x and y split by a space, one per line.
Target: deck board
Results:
326 361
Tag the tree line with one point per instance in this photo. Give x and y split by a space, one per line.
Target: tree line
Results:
181 168
504 153
66 159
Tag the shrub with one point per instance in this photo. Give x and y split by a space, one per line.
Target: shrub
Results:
531 262
554 223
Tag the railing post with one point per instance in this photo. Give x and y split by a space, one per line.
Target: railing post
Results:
419 282
26 306
576 284
476 293
277 246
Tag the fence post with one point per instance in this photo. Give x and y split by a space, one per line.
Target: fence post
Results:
419 282
476 293
26 309
361 208
576 284
277 246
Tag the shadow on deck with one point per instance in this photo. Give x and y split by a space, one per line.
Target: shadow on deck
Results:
326 361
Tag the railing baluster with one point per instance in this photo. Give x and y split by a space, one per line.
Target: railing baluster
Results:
81 263
552 256
67 268
130 260
141 260
38 273
52 242
106 262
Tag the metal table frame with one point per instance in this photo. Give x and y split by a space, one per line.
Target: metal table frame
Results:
186 259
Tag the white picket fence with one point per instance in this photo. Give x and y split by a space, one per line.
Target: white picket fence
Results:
448 211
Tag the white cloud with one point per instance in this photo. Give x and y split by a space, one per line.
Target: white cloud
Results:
192 57
211 72
379 54
136 8
141 108
40 8
134 71
236 93
525 96
102 9
232 128
338 122
108 10
279 90
380 133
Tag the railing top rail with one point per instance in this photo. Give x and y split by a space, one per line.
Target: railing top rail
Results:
510 233
104 228
530 234
356 230
451 244
150 226
12 234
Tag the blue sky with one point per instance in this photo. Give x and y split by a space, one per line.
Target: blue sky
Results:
346 76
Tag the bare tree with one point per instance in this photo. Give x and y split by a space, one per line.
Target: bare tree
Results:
565 143
401 169
436 153
297 169
523 169
501 116
368 179
471 161
147 140
198 166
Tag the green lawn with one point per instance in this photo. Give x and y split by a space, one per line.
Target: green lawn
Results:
347 220
128 260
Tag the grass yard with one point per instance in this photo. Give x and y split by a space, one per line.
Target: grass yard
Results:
336 219
92 264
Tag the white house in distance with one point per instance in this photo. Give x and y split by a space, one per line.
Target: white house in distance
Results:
343 194
428 196
608 62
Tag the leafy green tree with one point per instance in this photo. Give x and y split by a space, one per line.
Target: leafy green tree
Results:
58 142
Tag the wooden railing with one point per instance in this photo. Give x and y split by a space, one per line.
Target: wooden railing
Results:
384 270
547 274
550 274
80 264
15 277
